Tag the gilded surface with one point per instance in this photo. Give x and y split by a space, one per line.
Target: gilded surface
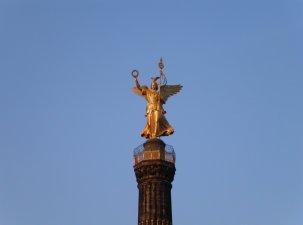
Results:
156 124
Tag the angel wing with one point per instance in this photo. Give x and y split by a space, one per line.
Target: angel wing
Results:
138 92
169 90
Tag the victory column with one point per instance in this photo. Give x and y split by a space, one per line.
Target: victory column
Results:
154 161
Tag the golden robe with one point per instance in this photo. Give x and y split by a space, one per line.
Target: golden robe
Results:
156 125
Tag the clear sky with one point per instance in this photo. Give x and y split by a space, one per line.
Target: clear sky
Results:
69 121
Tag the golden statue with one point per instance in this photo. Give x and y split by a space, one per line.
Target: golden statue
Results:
156 125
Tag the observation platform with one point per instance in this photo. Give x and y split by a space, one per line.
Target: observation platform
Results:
154 149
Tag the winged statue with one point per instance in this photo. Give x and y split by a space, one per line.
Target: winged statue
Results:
156 96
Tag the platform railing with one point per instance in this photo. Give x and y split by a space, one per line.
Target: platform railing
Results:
167 155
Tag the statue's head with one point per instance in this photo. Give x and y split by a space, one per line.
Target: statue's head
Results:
154 84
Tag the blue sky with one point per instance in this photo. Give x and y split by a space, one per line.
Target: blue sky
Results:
69 120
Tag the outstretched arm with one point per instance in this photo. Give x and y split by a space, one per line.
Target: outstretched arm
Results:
137 82
139 90
135 74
